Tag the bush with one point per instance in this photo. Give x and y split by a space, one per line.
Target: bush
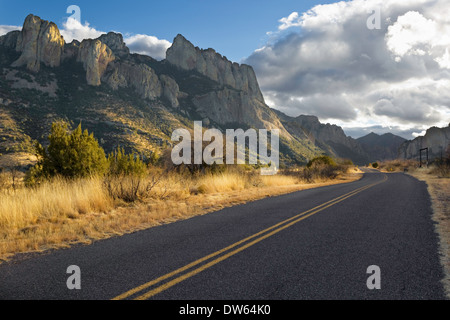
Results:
324 167
123 164
322 160
131 188
75 154
375 165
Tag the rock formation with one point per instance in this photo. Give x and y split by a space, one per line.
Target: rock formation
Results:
437 140
95 56
229 106
71 50
184 55
39 42
9 40
171 90
236 100
138 76
115 42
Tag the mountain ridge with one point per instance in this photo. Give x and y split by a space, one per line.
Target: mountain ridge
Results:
135 101
381 147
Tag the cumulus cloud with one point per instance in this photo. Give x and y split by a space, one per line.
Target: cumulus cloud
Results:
148 45
327 62
73 30
414 34
291 21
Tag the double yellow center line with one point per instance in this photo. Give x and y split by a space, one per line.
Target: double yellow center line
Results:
238 247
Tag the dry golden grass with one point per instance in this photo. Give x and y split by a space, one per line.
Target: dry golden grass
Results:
223 182
439 190
60 212
398 165
52 200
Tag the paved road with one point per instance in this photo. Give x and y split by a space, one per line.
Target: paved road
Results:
313 244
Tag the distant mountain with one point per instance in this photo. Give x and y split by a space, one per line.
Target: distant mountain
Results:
381 147
437 140
328 137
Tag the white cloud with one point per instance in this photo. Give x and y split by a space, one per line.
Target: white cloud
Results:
73 30
4 29
148 45
419 134
291 21
412 34
327 62
444 61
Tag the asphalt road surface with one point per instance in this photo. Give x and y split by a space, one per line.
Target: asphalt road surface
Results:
312 244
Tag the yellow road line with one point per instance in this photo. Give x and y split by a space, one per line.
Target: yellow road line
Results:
169 284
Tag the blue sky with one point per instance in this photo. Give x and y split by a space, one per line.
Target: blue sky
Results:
313 57
233 28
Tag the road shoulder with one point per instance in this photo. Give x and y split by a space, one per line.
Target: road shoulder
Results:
439 190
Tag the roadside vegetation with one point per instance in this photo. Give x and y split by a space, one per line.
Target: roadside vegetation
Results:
75 193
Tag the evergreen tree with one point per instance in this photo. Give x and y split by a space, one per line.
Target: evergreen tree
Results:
69 154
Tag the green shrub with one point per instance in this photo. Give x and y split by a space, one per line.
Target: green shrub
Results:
324 167
375 165
125 164
69 154
322 160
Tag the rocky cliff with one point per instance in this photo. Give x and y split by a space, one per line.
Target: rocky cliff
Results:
437 140
114 41
211 64
95 56
140 77
39 42
237 98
